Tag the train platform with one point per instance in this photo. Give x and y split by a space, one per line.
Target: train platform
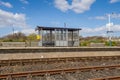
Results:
10 56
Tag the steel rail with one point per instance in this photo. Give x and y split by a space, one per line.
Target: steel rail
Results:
107 78
49 60
56 71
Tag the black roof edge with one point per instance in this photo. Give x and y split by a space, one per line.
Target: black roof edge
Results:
52 28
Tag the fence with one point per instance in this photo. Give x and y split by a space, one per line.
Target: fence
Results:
18 44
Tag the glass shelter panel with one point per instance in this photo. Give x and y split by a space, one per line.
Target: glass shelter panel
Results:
58 36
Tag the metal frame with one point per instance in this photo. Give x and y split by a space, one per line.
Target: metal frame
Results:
58 37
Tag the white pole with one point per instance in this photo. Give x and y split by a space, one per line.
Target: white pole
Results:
109 22
109 28
13 29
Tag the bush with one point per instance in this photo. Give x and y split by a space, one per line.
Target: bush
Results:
85 43
113 43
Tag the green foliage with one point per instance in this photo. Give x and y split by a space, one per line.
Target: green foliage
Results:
7 40
16 37
32 37
84 43
19 37
113 43
96 41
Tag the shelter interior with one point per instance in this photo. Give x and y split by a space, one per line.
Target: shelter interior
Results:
58 37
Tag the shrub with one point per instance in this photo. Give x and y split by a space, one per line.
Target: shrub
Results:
113 43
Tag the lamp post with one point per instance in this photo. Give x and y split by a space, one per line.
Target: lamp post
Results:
13 30
109 31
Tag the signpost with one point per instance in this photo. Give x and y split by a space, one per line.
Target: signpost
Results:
109 25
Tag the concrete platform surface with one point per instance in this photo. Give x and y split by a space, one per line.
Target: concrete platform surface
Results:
57 54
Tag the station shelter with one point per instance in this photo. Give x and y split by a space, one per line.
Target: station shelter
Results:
58 36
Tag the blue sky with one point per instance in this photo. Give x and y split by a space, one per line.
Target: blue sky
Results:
90 15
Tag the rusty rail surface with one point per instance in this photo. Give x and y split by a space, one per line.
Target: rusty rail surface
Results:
108 78
55 71
49 60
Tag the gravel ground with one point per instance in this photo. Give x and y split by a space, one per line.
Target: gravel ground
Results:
74 76
79 75
60 65
85 75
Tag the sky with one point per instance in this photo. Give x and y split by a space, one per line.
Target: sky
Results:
89 15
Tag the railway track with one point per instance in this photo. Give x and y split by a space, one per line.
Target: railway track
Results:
108 78
15 62
48 74
14 66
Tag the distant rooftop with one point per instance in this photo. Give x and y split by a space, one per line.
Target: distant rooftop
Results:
53 28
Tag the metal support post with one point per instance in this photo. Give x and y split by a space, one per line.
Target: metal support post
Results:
55 37
78 39
40 32
66 36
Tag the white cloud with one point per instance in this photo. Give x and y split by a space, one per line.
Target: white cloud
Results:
114 1
10 19
62 5
28 31
99 31
48 2
113 16
6 4
78 6
116 16
98 17
24 1
93 30
115 28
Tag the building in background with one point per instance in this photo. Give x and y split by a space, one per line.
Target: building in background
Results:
58 37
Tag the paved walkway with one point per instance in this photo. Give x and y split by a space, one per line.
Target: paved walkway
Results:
57 54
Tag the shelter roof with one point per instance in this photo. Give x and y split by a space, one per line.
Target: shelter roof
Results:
60 28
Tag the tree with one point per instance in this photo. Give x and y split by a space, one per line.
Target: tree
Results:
16 37
32 37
